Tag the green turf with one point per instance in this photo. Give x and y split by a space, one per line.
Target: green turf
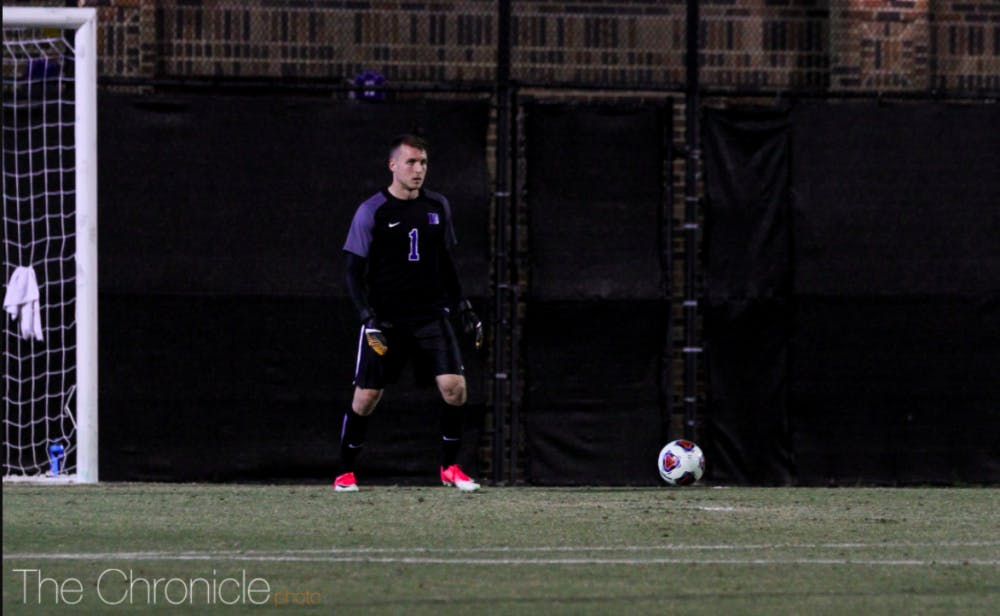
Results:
433 550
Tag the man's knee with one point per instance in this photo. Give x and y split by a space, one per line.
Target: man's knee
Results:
452 389
365 400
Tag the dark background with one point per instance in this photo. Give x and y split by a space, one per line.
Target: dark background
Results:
851 309
858 341
897 283
595 322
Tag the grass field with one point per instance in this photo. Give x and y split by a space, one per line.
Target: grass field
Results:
304 549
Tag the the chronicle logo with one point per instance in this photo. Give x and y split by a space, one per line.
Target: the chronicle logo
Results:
124 587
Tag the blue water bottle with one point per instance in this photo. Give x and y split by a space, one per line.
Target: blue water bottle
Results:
56 454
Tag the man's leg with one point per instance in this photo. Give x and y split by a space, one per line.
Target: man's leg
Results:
369 379
453 391
355 426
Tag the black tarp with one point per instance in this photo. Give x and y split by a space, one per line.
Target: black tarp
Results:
596 320
748 275
876 343
897 281
227 339
253 195
852 329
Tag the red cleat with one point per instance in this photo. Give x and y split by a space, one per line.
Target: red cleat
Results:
453 476
345 483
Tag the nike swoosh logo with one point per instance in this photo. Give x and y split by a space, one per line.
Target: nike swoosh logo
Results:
393 224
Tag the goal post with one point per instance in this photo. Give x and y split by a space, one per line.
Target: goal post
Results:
72 405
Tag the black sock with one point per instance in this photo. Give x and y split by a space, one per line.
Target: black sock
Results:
352 439
451 434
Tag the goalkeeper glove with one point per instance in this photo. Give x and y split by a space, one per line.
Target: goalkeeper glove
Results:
374 336
471 324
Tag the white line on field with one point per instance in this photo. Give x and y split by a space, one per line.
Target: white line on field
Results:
424 560
648 548
429 555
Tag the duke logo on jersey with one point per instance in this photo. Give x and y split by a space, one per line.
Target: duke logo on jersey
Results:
432 218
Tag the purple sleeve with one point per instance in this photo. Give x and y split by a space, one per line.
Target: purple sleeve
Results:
359 237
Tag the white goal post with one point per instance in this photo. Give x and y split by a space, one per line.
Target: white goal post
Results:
77 401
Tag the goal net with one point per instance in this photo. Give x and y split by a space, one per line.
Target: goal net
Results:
49 245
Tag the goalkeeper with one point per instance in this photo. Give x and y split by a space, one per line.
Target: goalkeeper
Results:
403 282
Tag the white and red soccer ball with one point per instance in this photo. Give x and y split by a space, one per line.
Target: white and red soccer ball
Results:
681 463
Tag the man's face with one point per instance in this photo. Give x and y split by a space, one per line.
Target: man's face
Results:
409 167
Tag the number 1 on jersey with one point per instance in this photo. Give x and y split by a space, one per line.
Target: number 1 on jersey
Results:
414 245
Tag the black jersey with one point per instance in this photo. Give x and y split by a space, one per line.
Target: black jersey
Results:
410 273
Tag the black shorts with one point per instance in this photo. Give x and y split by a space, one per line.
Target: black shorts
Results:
431 345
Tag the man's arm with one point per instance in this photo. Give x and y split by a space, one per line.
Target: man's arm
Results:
355 277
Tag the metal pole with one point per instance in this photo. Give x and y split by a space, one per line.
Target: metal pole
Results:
501 221
693 155
515 397
666 248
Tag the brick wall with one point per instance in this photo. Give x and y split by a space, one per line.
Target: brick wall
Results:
835 45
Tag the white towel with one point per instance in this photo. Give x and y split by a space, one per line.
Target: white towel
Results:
22 302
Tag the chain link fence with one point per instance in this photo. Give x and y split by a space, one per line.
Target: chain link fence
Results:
857 47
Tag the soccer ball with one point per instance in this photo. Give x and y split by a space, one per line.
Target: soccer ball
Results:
681 463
